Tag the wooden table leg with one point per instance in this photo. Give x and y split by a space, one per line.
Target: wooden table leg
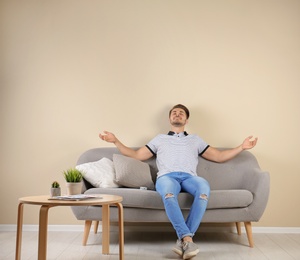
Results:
105 229
43 230
121 231
19 231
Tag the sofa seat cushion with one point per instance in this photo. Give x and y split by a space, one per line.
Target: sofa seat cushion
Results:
149 199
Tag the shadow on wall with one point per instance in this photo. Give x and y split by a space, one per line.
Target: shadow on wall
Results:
201 122
162 119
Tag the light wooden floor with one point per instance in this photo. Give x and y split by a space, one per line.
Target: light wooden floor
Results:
155 245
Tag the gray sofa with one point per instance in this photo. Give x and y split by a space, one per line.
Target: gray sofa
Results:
239 193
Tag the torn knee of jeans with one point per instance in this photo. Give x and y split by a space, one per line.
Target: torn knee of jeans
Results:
203 197
169 195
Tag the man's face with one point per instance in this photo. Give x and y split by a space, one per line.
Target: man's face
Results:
178 117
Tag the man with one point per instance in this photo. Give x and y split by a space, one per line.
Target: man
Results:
177 158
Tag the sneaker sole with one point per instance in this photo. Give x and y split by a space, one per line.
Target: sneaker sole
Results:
191 254
177 251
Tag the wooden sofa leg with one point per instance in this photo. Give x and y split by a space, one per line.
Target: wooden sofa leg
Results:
87 228
96 224
248 228
238 228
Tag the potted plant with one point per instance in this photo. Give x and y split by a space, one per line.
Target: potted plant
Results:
55 189
73 178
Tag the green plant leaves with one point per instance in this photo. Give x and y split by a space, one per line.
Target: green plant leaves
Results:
72 175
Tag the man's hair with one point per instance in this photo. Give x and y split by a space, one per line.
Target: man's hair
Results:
187 112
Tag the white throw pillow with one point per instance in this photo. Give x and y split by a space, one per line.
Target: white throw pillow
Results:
132 173
101 174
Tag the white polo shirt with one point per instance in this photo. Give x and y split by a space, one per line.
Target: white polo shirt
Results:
177 152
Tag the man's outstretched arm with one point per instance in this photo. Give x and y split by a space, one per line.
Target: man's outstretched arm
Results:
216 155
142 153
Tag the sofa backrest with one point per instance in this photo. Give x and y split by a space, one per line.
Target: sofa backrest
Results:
221 176
228 175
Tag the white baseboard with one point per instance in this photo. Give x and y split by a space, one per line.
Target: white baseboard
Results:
282 230
13 228
145 228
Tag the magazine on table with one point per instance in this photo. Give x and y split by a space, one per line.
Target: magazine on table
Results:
76 197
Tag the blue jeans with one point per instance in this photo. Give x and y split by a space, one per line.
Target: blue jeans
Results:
169 186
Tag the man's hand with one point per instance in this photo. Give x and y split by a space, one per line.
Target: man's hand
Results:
249 143
141 154
108 137
220 156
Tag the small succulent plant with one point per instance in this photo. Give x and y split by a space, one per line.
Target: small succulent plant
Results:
55 189
55 184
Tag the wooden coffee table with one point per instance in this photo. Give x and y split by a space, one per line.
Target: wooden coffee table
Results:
105 201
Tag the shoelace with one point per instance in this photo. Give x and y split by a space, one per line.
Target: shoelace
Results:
185 245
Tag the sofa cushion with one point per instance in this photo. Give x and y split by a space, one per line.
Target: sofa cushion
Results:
219 199
100 174
132 173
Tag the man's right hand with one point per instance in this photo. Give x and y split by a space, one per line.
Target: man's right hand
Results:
141 154
108 137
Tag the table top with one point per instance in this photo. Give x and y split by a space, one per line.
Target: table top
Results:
104 199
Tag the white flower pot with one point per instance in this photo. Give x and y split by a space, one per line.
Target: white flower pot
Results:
74 188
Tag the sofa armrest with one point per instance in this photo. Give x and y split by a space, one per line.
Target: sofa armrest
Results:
258 182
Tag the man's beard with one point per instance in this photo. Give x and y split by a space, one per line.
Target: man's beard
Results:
177 123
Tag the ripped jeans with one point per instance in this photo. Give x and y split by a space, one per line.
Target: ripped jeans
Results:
169 186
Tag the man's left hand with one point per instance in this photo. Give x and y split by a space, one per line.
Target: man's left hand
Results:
249 143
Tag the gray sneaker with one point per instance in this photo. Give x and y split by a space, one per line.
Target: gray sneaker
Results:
178 247
190 250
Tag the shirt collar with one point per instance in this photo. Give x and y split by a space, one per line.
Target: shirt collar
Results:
180 134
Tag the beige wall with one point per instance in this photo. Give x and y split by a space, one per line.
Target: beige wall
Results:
70 69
